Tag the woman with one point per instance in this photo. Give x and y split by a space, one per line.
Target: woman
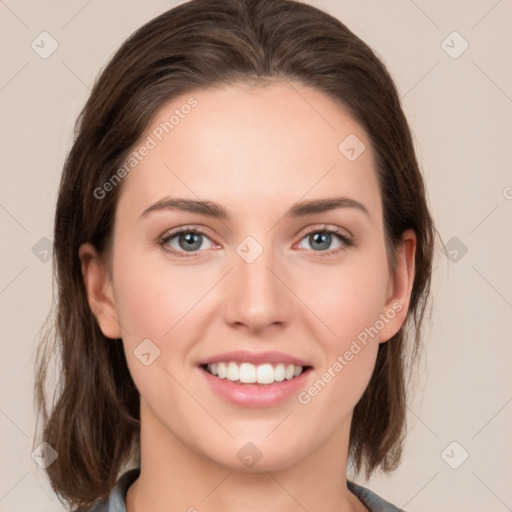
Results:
243 255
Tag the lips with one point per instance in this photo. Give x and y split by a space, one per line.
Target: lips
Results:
256 358
256 395
250 379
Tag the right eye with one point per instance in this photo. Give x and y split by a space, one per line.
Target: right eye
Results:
184 240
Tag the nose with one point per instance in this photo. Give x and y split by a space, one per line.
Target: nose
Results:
257 296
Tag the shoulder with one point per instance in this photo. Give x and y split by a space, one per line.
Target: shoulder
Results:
373 502
116 502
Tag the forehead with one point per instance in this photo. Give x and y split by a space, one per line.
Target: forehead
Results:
262 146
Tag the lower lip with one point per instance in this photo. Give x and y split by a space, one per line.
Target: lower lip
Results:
256 395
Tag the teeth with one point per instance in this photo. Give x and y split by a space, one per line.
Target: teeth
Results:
232 371
249 373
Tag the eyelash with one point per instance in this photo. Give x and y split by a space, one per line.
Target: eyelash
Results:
164 240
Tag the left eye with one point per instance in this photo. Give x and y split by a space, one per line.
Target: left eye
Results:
321 240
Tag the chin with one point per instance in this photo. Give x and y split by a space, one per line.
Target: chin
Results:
257 455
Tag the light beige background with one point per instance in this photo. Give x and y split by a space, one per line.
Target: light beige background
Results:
460 112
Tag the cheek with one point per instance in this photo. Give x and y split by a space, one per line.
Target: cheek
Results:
152 299
348 300
156 303
166 305
349 350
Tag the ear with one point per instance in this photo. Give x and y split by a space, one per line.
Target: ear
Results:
100 295
400 287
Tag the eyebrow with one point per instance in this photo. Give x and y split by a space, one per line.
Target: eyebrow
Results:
215 210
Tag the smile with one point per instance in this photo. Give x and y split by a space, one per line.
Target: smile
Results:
248 373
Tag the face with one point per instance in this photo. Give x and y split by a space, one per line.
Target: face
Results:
282 270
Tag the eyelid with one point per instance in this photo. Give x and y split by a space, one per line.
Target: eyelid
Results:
184 229
324 228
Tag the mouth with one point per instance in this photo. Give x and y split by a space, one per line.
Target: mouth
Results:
255 379
248 373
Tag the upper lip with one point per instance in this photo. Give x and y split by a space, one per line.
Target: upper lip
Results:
256 358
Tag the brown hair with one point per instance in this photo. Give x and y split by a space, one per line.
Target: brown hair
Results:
92 420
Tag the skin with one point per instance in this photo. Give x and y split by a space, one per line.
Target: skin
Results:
282 149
